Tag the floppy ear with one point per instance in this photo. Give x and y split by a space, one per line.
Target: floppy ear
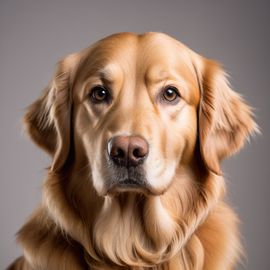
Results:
48 119
225 120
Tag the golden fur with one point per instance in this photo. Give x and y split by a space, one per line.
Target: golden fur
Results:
184 222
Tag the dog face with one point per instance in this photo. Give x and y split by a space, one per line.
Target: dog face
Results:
137 102
146 116
135 112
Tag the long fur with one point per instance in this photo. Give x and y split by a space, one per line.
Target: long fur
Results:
186 226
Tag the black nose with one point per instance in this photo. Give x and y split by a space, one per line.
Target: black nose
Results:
128 150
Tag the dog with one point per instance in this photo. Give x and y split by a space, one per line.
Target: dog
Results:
137 127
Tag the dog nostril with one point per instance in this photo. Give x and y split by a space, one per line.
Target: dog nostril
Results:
138 150
117 152
120 153
138 153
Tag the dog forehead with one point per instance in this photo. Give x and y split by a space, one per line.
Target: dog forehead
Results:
162 56
151 56
107 56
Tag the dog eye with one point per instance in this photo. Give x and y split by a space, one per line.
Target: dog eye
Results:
99 94
170 94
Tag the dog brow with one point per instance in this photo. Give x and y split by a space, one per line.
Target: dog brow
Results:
106 73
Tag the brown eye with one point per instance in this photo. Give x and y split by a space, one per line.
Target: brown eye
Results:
100 94
170 94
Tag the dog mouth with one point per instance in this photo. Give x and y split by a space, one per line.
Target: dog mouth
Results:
131 179
129 185
129 182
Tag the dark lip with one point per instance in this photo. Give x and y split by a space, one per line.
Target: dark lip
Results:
129 185
130 182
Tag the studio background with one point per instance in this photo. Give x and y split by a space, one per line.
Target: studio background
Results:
34 35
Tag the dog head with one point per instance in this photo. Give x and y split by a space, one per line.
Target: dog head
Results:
136 106
139 111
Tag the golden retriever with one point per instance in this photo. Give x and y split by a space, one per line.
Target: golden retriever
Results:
137 126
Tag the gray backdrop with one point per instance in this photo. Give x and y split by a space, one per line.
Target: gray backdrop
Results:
35 34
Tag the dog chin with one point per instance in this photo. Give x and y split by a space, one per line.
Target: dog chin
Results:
130 185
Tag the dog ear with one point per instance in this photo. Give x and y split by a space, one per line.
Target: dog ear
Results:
225 120
48 119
